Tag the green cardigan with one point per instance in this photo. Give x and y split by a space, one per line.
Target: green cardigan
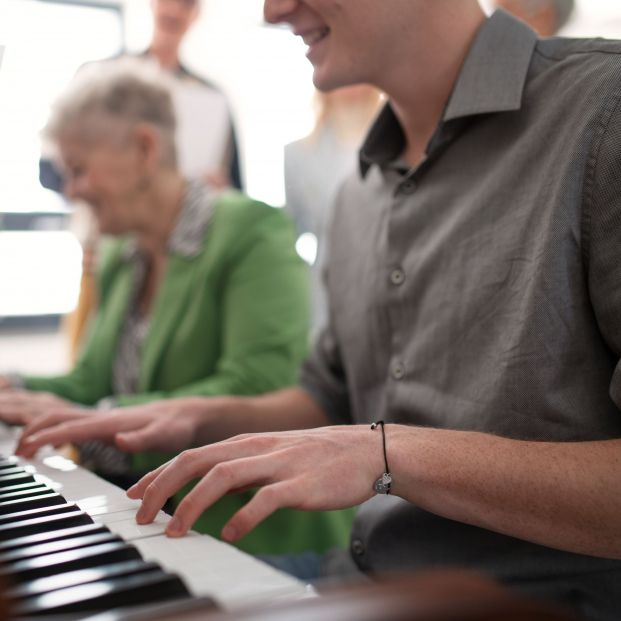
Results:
232 320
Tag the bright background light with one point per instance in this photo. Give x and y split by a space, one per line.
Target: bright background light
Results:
42 275
306 247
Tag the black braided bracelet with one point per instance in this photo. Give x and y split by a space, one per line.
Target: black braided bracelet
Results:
384 483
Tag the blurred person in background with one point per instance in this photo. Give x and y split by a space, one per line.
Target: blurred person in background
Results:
206 142
546 17
200 292
316 166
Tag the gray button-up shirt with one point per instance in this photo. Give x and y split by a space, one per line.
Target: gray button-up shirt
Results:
482 290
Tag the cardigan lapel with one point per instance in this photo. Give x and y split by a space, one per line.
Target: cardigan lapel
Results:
169 306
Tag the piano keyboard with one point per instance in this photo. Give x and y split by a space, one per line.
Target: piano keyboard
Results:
69 544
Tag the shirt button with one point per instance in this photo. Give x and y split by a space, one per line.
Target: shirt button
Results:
357 547
408 186
398 371
397 277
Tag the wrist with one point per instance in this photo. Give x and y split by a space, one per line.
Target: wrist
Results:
210 415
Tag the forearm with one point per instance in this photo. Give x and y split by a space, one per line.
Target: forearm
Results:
554 494
224 417
71 387
259 374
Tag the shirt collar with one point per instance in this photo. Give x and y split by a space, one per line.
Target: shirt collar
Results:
187 237
491 79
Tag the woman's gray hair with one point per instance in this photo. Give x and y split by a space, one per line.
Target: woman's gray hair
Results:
118 94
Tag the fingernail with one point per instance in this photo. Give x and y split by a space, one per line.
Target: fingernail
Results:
229 533
174 527
141 515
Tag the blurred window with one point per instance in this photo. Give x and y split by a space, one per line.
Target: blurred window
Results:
45 41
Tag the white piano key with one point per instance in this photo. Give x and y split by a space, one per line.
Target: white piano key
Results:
101 504
130 531
216 569
110 518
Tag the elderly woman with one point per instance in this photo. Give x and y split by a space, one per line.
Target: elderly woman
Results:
199 294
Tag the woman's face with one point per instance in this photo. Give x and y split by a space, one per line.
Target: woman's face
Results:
106 173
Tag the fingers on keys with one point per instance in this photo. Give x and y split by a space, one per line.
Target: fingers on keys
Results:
267 500
63 426
220 476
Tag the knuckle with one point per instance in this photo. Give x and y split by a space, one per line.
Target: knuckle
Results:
186 459
270 495
224 471
257 443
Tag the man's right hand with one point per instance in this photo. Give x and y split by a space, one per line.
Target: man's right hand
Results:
159 426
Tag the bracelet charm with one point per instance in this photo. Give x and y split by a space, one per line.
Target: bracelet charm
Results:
384 483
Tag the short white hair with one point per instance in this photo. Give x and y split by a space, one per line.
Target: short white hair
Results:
124 93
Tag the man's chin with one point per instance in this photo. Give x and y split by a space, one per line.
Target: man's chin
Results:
326 83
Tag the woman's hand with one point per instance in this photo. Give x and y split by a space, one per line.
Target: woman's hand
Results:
314 470
159 426
20 407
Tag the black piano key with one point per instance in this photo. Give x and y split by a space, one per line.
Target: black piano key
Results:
52 547
52 535
37 502
106 594
81 576
41 524
14 469
18 516
71 560
20 486
8 462
14 479
24 491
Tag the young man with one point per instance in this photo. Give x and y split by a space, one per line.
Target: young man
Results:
475 297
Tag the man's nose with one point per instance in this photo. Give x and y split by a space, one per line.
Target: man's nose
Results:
276 11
